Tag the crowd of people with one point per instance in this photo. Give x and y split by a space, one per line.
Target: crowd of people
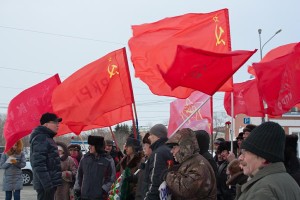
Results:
262 165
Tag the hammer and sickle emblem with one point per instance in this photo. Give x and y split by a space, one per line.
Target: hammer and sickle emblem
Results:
219 36
112 70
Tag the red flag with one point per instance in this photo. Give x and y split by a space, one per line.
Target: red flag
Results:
25 110
279 80
273 54
96 94
246 99
181 109
203 70
153 46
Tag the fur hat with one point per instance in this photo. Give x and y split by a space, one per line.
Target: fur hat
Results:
109 143
97 141
48 117
134 143
219 141
146 138
266 141
159 130
224 146
240 136
249 128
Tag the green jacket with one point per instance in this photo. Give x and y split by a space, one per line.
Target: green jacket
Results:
271 182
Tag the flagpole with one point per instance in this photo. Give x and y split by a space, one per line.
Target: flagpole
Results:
212 126
232 122
114 138
135 128
196 110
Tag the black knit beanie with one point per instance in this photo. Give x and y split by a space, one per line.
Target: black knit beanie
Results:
266 141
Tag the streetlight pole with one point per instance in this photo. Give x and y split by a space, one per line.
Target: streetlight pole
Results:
261 49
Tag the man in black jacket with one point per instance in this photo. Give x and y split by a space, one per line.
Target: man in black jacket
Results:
44 157
157 162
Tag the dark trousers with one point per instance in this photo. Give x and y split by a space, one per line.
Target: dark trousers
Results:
9 194
46 194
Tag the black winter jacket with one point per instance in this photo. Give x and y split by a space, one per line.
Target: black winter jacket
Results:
44 159
93 174
155 166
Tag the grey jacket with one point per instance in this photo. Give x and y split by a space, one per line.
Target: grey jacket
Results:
12 178
271 182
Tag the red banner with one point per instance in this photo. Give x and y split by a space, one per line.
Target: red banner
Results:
278 81
154 45
97 95
181 109
25 110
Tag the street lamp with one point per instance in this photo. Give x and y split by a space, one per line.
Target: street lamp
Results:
261 48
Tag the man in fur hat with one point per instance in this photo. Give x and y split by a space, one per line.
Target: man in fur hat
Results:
95 171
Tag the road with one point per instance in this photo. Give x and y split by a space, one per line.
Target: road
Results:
28 193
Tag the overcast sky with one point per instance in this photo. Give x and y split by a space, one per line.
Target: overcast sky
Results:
41 38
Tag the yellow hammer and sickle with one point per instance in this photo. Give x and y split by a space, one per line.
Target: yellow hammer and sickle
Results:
218 37
112 70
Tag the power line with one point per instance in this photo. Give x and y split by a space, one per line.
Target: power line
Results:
28 71
62 35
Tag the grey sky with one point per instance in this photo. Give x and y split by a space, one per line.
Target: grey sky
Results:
51 37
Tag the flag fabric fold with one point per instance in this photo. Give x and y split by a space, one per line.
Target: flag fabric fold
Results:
97 95
181 109
25 110
154 45
246 100
203 70
279 80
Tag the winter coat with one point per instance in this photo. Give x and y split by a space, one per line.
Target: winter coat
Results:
94 175
156 164
270 182
69 171
12 178
194 178
133 165
224 192
44 159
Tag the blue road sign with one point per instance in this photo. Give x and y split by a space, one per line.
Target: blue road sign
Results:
246 120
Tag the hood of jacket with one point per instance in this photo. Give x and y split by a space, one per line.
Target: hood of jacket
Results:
186 140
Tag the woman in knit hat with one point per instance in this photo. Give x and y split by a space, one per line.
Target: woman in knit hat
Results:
262 159
75 153
69 171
